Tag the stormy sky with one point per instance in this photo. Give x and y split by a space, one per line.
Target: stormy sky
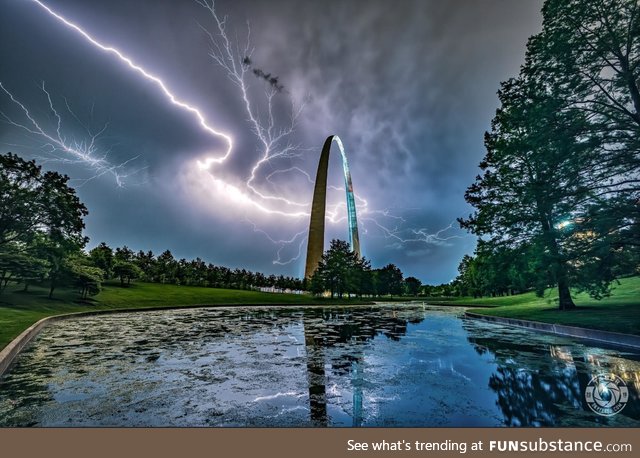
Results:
409 86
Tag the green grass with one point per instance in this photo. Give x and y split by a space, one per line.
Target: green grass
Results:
618 313
19 310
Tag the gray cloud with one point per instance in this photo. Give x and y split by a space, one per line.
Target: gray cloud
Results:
409 86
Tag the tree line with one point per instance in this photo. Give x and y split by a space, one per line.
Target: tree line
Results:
126 265
557 202
342 273
41 242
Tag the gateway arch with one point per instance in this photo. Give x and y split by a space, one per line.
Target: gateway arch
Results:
315 246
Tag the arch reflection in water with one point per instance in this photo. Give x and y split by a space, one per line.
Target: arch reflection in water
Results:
401 365
327 328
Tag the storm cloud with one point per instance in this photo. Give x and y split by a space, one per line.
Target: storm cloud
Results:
409 86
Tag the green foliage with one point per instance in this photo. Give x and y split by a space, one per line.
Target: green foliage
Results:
337 269
18 264
390 280
83 275
41 222
341 272
412 286
126 271
102 257
560 177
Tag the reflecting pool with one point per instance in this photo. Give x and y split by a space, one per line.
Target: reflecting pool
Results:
387 365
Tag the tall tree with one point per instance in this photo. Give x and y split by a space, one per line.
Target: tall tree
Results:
102 257
561 170
390 279
531 180
32 201
591 51
412 285
338 270
40 208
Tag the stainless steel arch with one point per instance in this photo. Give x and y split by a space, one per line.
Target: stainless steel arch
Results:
315 246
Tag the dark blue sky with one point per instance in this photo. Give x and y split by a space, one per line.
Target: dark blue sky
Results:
410 87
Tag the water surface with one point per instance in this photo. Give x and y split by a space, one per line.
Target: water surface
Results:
396 365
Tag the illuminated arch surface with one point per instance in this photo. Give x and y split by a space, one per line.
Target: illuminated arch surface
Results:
315 246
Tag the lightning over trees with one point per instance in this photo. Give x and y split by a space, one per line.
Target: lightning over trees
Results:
560 177
262 94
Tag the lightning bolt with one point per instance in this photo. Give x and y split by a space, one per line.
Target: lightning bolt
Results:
268 136
76 152
154 79
274 142
282 244
418 235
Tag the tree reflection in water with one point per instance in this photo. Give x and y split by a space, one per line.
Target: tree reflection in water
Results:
534 389
397 365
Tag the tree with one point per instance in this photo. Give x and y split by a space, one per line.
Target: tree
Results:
339 270
316 284
35 202
40 208
592 47
412 285
147 264
20 182
126 271
166 267
390 279
590 50
83 275
102 257
562 166
18 264
363 278
124 254
533 173
335 267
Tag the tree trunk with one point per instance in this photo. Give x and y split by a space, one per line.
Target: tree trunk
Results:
559 266
51 289
564 294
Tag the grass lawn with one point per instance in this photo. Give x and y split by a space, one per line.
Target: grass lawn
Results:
19 310
618 313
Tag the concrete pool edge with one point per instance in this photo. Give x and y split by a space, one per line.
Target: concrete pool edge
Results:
595 335
8 353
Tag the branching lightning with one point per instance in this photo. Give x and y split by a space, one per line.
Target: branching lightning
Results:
157 81
275 142
58 148
301 236
417 235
